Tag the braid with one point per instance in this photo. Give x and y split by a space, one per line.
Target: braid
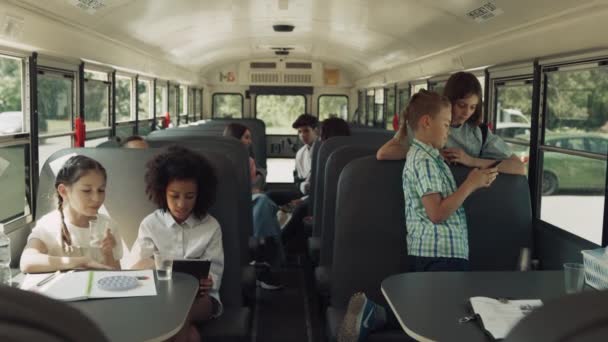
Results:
66 239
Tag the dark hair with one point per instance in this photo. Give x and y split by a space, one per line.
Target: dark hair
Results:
305 120
462 85
334 127
180 163
71 171
424 103
235 130
131 138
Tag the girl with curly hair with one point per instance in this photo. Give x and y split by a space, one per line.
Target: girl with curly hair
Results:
183 186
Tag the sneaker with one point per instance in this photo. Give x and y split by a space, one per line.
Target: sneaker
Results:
268 282
359 319
260 264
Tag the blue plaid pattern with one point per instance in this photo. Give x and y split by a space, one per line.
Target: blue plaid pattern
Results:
425 173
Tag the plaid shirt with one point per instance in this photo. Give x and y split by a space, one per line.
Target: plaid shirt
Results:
425 173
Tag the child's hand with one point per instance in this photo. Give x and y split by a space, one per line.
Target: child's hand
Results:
457 155
482 178
205 285
107 244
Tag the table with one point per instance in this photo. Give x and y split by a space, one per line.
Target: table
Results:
429 304
153 318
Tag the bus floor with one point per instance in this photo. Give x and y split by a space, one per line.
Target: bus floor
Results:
290 314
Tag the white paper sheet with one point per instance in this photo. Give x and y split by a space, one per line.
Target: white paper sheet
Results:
500 317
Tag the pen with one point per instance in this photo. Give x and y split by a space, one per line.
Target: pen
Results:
47 279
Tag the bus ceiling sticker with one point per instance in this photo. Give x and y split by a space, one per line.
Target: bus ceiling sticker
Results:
89 6
485 12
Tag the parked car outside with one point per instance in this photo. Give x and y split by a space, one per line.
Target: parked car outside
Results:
568 172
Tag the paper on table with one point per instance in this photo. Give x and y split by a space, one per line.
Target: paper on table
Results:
498 317
73 286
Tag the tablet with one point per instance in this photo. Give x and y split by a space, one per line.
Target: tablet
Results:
196 267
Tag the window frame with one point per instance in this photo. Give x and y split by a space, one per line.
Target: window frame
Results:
541 69
29 73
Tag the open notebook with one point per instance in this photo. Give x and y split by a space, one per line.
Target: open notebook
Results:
72 286
498 317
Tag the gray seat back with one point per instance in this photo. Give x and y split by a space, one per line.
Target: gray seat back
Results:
216 127
127 204
499 220
326 148
335 164
237 154
27 316
582 318
370 235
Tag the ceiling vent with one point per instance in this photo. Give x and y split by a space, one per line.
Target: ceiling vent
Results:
283 28
264 77
297 78
298 65
263 65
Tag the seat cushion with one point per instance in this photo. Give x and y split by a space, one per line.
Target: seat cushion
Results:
314 248
322 280
234 325
333 318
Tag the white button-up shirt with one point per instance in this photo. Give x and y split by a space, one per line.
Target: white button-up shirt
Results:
303 166
193 239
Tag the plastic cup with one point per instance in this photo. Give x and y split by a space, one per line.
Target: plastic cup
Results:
164 266
574 277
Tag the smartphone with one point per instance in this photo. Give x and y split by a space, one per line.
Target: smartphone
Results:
494 164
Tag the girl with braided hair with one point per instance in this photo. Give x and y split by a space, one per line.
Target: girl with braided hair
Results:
60 240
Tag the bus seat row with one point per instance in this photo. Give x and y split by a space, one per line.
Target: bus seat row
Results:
28 316
371 139
216 127
127 204
370 231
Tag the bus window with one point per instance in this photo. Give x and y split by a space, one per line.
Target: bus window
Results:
279 112
333 105
96 107
183 105
574 151
369 108
123 99
14 168
390 107
55 112
513 115
228 106
173 104
11 114
161 103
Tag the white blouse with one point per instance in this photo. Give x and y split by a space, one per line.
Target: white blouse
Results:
48 230
193 239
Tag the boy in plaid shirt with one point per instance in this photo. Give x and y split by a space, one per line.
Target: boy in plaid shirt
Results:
436 222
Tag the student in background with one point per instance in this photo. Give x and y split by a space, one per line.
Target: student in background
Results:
306 125
334 127
436 222
470 142
243 134
266 227
183 185
61 239
135 141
